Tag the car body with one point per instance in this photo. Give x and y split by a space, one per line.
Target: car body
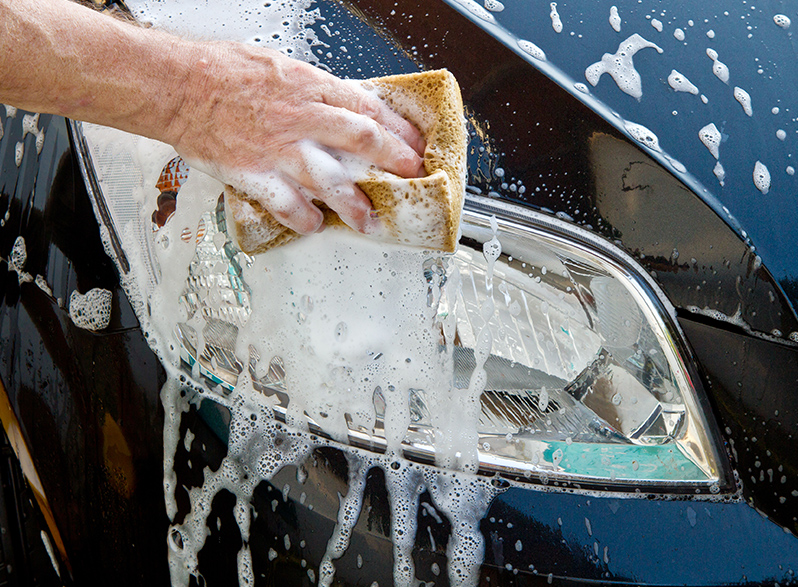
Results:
83 411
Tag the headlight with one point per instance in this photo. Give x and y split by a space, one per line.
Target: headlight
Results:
565 363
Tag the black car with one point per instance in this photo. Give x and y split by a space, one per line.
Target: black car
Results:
617 333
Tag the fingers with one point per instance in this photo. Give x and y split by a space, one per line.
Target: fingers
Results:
360 135
351 95
326 179
285 202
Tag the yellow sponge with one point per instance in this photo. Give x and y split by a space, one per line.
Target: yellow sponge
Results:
423 212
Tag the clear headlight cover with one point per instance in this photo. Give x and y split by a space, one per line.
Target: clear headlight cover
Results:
587 380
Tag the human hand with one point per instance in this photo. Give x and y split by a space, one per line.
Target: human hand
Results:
267 124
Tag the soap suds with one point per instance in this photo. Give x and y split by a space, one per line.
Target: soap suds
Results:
615 19
30 125
530 48
781 134
680 83
679 34
761 177
621 66
710 136
657 24
782 20
92 310
720 173
476 10
42 283
17 259
744 99
642 135
556 22
719 68
494 5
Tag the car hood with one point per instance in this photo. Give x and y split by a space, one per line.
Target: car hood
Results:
663 73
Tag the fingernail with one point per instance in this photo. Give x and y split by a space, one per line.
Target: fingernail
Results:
421 146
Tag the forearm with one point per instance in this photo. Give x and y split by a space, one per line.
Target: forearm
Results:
62 58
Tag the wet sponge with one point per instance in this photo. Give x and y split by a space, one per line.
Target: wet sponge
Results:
423 212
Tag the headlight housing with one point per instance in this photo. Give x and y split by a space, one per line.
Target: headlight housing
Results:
588 380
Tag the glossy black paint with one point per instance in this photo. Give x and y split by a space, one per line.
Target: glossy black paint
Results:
88 402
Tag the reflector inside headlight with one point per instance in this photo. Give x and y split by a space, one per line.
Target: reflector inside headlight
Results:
584 370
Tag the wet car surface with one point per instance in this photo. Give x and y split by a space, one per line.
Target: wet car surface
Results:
88 406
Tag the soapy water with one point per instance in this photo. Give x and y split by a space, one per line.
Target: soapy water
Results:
92 310
620 66
761 177
710 136
556 21
744 99
17 259
720 69
313 292
351 324
680 83
615 19
354 326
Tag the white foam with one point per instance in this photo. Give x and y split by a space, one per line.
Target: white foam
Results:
621 66
711 34
761 177
790 170
494 5
710 137
781 134
308 298
680 83
719 68
556 22
657 24
530 48
476 10
92 310
41 282
30 125
17 259
19 151
615 19
744 99
11 111
719 172
642 135
679 34
19 254
782 20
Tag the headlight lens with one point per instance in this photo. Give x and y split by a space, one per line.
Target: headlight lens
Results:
586 373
